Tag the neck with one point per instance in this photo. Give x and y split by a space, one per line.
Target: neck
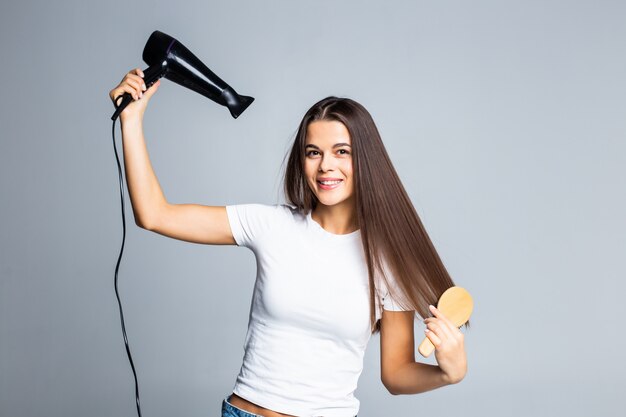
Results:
340 219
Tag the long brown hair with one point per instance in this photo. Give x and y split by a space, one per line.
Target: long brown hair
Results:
394 239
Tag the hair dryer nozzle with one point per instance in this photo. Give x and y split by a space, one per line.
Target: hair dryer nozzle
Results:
235 103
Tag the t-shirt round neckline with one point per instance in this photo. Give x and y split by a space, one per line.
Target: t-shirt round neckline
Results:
318 227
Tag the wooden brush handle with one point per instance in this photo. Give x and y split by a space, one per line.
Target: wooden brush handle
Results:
426 348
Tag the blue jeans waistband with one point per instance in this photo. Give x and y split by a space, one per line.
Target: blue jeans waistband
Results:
229 410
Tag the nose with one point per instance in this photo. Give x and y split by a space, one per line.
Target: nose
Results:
326 163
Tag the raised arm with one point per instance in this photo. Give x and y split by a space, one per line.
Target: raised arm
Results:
189 222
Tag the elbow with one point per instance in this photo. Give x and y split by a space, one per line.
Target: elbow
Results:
389 387
143 223
149 219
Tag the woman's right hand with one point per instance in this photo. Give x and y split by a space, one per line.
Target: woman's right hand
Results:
134 85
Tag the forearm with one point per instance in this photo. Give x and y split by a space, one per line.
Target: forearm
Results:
416 377
143 186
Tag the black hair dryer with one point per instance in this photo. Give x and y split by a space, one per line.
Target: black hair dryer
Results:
169 58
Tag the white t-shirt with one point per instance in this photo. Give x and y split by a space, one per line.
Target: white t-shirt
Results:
309 319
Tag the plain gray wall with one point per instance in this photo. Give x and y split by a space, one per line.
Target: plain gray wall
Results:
505 120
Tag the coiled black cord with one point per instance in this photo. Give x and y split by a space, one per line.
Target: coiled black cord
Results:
117 267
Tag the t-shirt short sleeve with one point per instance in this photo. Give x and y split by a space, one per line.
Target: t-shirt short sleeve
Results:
392 302
250 221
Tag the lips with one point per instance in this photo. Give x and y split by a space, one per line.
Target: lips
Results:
329 183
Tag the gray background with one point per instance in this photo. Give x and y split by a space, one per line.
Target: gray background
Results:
505 120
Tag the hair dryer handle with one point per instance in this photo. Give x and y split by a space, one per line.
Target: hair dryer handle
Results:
150 76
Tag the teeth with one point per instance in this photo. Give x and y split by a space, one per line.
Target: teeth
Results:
330 182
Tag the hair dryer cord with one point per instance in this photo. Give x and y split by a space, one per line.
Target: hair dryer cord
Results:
119 303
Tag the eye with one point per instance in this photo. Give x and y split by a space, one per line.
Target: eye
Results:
312 153
344 152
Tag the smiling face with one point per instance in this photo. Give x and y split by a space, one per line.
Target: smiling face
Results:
328 163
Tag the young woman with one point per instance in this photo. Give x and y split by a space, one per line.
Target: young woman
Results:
346 258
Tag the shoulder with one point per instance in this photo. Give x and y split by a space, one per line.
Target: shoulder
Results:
263 210
251 221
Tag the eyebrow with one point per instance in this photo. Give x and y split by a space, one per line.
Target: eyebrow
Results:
336 145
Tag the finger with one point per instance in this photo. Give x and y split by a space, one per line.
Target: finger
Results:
126 89
116 93
131 73
136 78
435 340
437 313
445 322
137 84
133 78
150 91
137 71
440 328
116 100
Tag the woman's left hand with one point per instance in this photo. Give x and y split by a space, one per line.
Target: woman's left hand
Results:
449 347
